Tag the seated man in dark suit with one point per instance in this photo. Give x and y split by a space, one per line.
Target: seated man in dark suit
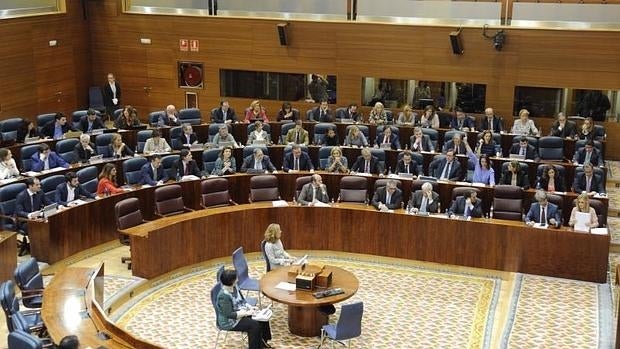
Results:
543 211
420 142
91 122
72 190
152 173
322 113
562 127
388 197
257 162
388 138
588 181
188 137
467 205
407 165
224 114
515 176
425 200
57 128
84 150
588 155
313 192
351 113
456 144
29 202
297 160
523 148
46 159
446 169
185 166
366 163
462 122
491 122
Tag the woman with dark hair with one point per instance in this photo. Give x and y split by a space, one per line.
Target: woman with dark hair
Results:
26 130
486 145
287 113
225 163
587 130
128 118
107 181
550 180
483 171
429 118
235 314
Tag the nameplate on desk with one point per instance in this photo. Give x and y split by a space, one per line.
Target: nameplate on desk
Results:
346 121
95 132
197 146
259 142
29 140
95 159
405 175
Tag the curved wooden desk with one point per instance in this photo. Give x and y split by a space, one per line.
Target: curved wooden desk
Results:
72 305
304 317
170 243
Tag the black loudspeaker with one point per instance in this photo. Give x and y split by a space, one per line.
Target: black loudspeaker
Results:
282 33
457 45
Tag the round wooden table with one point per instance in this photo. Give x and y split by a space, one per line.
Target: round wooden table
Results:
304 317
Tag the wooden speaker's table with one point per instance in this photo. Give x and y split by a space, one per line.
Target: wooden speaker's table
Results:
304 317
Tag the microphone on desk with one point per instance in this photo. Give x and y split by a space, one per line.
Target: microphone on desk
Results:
323 189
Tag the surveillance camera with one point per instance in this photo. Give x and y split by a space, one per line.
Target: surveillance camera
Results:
498 40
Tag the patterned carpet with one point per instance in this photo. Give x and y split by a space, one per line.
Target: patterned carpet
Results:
573 314
417 308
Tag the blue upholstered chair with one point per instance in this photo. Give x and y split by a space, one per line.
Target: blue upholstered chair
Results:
320 130
209 157
64 148
190 116
25 153
30 282
8 128
244 281
143 135
88 178
131 170
102 144
49 184
349 324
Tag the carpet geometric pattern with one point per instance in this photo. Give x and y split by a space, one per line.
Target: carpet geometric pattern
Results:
405 305
574 314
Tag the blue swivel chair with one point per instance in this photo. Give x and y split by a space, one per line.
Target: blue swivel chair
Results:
10 304
131 169
244 281
25 153
349 324
190 116
64 148
102 144
49 184
143 135
30 282
88 178
9 127
209 157
8 193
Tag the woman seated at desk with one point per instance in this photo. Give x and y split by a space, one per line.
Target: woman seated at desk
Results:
513 175
27 129
118 149
107 181
225 163
274 250
258 134
355 138
486 144
336 162
582 204
235 314
156 144
550 180
8 168
128 118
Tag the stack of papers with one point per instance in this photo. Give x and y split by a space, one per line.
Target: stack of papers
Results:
279 203
286 286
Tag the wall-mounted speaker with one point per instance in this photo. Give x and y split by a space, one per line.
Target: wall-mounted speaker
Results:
282 34
457 44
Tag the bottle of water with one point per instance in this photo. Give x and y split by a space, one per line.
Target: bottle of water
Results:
106 192
491 213
294 201
408 208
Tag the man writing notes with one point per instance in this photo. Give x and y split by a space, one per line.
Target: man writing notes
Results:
388 197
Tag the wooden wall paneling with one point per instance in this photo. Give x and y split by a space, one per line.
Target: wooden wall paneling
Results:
17 85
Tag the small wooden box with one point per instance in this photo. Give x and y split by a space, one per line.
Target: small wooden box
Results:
324 278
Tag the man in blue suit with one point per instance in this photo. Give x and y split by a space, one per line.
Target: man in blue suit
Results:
152 173
71 190
543 211
387 137
30 200
46 159
257 162
297 160
462 122
467 205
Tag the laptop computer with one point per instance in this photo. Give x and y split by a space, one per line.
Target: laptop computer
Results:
385 146
96 158
49 210
405 175
197 146
346 121
31 139
259 141
226 144
96 131
517 156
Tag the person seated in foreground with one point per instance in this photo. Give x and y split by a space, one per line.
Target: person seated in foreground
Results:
543 212
388 197
71 190
425 200
257 162
233 313
467 205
